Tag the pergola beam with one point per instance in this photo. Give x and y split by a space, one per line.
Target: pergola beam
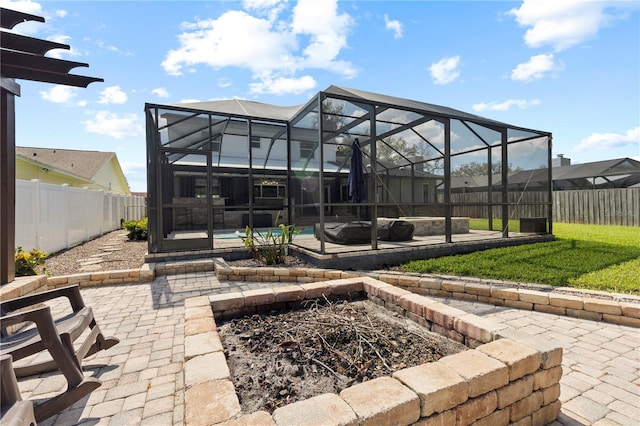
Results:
22 58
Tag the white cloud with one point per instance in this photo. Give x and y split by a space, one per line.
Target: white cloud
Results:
34 8
269 8
327 31
283 85
101 44
27 6
609 140
160 92
445 70
506 105
393 25
61 13
261 4
59 94
115 125
566 23
59 53
312 37
111 48
229 41
224 82
189 101
112 95
535 69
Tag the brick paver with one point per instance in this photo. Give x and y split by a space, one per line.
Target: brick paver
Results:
143 380
601 363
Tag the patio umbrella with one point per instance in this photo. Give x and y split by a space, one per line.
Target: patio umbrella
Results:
357 186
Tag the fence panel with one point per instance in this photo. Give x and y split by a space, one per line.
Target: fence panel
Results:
52 226
56 217
616 206
26 233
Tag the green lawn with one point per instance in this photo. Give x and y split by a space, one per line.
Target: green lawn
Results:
583 256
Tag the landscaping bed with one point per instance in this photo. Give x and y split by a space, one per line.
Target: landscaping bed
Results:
277 359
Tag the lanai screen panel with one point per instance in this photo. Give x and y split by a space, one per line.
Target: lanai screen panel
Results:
238 163
476 163
409 153
183 181
528 176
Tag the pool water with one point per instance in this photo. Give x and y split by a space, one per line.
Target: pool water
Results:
233 234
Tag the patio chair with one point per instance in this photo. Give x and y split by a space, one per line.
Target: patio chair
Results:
57 336
15 411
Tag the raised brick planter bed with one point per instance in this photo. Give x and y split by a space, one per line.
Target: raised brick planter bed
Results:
505 377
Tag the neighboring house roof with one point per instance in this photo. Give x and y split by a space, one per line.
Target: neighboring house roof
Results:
618 173
82 164
614 167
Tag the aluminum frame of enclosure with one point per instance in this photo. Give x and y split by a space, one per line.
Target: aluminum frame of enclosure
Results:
422 160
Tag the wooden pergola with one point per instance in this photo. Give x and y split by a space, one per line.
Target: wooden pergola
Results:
22 58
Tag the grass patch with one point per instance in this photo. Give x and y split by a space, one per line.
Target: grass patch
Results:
583 256
483 225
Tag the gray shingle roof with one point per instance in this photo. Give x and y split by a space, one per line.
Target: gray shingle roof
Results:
244 108
84 164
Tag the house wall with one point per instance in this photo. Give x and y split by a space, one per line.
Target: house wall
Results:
237 146
29 171
111 178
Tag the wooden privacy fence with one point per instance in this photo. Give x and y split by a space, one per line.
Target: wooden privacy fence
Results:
619 206
474 204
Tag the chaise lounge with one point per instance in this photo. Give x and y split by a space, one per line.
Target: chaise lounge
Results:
359 232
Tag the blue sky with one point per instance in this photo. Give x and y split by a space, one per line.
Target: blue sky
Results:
569 67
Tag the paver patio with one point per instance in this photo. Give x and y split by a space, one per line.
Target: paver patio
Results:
143 379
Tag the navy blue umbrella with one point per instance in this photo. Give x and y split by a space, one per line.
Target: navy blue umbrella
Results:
357 186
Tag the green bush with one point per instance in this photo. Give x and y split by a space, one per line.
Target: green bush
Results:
270 246
30 263
137 229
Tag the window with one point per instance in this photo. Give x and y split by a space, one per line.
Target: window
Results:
255 142
307 149
269 188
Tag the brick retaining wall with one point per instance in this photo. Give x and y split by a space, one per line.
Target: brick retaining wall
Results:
505 377
620 309
594 305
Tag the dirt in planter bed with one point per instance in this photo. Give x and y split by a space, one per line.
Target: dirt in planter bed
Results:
279 358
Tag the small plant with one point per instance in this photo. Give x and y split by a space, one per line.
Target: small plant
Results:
270 246
137 229
30 263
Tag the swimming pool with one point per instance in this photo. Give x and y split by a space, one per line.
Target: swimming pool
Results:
233 234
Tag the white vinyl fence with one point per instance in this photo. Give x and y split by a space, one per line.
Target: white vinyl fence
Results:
56 217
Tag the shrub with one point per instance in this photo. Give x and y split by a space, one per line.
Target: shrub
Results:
30 263
270 246
137 229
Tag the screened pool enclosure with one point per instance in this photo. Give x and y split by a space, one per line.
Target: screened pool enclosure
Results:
215 168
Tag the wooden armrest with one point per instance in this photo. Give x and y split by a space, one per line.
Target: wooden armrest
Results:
72 293
38 315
